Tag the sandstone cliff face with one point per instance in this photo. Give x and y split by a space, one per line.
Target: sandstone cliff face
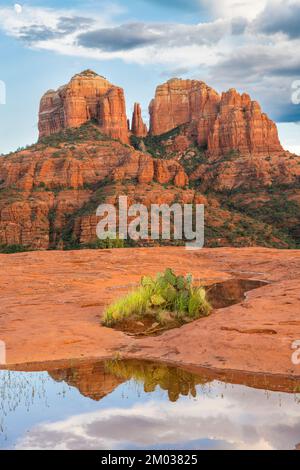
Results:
87 96
40 188
179 102
248 173
112 115
170 171
219 123
146 194
50 191
241 126
88 165
138 127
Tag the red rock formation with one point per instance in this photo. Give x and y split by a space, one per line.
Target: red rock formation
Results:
241 126
222 124
49 194
91 380
248 173
112 115
42 186
167 171
146 170
87 96
180 102
181 179
138 127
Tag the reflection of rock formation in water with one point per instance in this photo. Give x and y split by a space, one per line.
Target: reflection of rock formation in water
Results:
96 380
175 381
91 380
99 379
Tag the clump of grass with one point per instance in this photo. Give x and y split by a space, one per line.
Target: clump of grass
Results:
133 304
167 298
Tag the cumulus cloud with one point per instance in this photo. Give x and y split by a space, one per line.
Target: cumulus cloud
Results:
249 44
266 72
135 35
239 25
208 421
65 25
124 37
100 38
248 62
37 25
235 8
280 17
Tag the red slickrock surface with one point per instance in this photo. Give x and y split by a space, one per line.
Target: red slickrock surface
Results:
52 303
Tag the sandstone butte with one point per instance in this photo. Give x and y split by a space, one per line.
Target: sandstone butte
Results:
86 97
219 123
202 147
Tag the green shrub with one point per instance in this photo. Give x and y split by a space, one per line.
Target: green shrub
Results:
155 144
191 163
166 293
10 249
110 242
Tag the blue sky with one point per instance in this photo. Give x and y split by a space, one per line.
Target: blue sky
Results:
247 44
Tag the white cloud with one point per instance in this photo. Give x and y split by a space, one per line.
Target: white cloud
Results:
47 19
234 417
289 136
233 8
231 50
41 28
18 8
192 44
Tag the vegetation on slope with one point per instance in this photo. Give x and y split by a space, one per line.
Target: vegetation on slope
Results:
154 144
88 131
242 217
9 249
274 207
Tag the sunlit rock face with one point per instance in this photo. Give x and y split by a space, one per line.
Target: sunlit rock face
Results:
138 127
44 185
180 102
86 97
199 141
242 126
219 123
